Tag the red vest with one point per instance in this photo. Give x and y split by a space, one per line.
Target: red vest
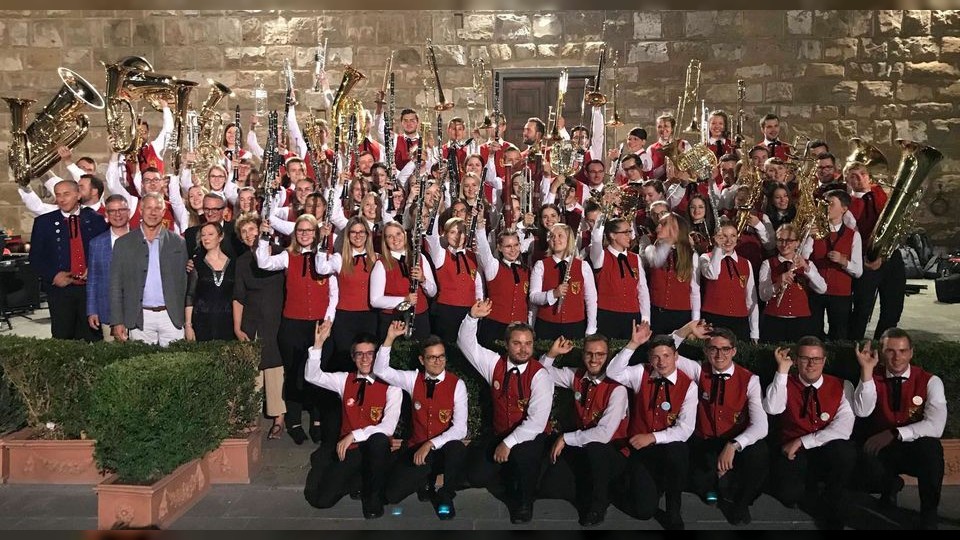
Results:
647 417
457 289
780 150
574 307
510 409
727 295
598 398
656 155
432 417
307 293
667 291
509 298
78 259
867 209
616 293
728 419
169 221
401 153
884 417
792 424
398 285
839 282
794 302
355 287
370 413
749 246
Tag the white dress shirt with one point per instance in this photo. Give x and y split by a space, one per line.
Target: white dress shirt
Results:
815 281
854 265
775 402
378 283
408 378
615 412
541 387
335 382
632 377
934 409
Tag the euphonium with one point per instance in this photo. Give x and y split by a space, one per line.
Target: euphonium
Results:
351 76
181 104
756 191
915 164
132 78
210 125
872 158
19 153
60 123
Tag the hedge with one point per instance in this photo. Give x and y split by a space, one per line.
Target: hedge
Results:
153 413
13 415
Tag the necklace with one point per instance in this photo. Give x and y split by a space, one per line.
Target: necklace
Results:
218 276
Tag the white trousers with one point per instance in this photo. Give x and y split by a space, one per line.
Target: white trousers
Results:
157 329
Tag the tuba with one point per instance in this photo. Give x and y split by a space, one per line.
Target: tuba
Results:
210 129
351 76
181 103
33 150
872 158
915 164
132 78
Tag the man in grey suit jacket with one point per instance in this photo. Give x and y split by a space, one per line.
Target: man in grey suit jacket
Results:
148 279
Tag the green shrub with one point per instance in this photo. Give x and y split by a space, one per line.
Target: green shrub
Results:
13 414
153 413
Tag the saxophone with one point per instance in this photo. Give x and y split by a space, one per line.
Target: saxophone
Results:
756 192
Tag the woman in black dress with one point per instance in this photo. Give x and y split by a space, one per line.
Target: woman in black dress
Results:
262 291
210 290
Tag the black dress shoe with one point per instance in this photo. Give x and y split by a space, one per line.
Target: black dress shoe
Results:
742 514
888 497
425 493
315 433
592 518
523 513
373 513
444 508
297 434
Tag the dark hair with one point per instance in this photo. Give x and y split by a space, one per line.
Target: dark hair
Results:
639 133
593 338
151 169
840 195
214 224
611 226
405 112
827 155
591 162
657 185
430 341
818 142
361 338
518 326
88 159
768 116
896 333
95 182
759 148
726 334
662 340
540 126
116 197
729 157
580 128
591 206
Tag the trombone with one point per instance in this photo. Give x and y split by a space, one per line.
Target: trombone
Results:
594 98
442 103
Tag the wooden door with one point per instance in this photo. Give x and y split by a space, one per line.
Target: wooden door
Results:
526 97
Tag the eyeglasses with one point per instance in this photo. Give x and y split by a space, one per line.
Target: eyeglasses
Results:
812 359
363 354
153 180
785 240
118 211
632 168
213 208
216 176
627 231
722 350
435 358
595 354
358 233
305 231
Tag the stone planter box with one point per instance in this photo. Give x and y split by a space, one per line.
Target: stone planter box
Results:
4 469
236 461
157 505
38 461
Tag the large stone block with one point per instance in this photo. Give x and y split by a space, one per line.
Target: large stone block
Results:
804 112
838 50
500 52
911 130
950 91
450 55
851 23
77 58
823 70
82 33
548 50
248 57
799 22
753 73
117 33
883 132
513 27
46 33
646 25
582 25
700 23
17 32
862 111
251 31
779 92
921 70
10 61
940 110
809 49
547 26
684 51
889 22
915 49
147 33
916 22
617 28
525 51
825 112
672 24
41 59
874 49
945 22
174 58
842 130
876 90
950 47
648 51
914 92
844 91
727 52
478 27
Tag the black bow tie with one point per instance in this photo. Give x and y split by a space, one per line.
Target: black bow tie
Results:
359 259
623 262
810 393
719 387
403 266
585 385
506 382
515 267
896 392
457 255
660 382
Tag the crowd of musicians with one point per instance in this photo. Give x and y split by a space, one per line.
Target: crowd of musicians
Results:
471 240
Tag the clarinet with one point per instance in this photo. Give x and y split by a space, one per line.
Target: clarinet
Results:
269 157
472 235
566 280
416 247
388 141
311 151
236 146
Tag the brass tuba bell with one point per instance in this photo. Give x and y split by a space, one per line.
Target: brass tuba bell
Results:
33 150
864 152
133 78
351 76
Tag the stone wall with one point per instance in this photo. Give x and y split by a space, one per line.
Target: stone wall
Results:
831 74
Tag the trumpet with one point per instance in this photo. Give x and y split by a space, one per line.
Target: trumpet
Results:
442 103
594 98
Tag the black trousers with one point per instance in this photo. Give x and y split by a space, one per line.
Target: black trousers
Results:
445 320
406 478
616 325
665 321
742 484
740 326
833 463
655 469
837 309
489 332
583 474
330 479
921 458
785 330
68 313
519 475
890 283
346 327
323 406
421 325
551 331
